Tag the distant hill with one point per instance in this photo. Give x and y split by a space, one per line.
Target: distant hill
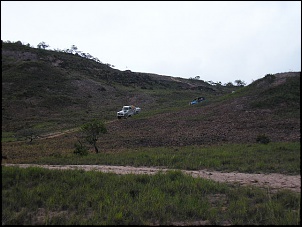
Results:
40 86
48 90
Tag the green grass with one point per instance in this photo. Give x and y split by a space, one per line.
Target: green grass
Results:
7 137
250 158
73 197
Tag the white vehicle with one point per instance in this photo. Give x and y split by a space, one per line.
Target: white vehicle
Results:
137 110
128 111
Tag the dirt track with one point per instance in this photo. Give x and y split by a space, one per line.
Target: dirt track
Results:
272 181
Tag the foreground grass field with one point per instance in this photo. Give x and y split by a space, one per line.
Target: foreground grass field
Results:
41 196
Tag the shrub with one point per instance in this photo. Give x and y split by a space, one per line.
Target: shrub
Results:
262 138
80 149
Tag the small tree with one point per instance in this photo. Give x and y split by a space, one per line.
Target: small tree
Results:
240 83
74 47
229 84
92 131
218 83
19 43
42 45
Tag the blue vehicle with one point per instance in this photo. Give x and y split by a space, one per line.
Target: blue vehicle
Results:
197 100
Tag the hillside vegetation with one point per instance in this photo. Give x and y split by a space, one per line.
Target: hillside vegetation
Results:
53 90
45 91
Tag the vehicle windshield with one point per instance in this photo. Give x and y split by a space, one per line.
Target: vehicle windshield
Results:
125 108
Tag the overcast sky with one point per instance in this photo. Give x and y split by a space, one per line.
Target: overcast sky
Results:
218 41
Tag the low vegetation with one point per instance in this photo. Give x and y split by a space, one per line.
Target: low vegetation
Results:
39 196
249 158
72 197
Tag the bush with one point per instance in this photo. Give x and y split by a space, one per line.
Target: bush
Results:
80 149
262 139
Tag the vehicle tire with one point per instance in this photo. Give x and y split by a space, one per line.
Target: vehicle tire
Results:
119 117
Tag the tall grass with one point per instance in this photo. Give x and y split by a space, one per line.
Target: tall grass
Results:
35 196
250 158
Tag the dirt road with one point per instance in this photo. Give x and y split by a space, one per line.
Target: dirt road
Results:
272 182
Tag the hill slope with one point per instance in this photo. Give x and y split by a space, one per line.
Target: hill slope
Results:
43 88
47 91
264 108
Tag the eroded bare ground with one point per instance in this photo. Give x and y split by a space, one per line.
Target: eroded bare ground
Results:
272 182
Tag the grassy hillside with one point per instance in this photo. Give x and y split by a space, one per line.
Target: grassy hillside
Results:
52 90
44 91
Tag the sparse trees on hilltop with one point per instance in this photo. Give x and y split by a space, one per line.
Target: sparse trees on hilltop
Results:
72 50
